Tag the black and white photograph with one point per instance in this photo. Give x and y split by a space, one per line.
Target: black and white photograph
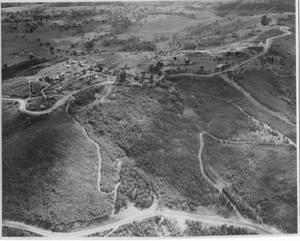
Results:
147 119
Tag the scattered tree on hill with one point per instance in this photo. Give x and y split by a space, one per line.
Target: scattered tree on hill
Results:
32 56
89 44
265 20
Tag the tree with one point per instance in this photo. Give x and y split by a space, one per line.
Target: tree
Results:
264 20
89 44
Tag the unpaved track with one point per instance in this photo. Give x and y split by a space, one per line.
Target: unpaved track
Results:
102 99
218 186
97 148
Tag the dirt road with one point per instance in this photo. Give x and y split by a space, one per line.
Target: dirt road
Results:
140 215
59 103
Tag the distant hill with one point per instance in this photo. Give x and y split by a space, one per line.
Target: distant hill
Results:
9 5
249 7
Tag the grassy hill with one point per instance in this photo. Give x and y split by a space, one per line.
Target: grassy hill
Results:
158 131
263 176
49 172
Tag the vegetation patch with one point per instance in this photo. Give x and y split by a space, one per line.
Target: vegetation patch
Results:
13 232
200 229
262 177
278 94
19 87
153 227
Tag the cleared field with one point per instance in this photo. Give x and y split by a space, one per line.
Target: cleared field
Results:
263 176
49 172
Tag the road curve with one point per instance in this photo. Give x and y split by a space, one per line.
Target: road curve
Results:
59 103
267 46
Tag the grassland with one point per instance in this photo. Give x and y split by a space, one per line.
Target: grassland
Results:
249 8
276 93
217 87
263 176
49 172
161 24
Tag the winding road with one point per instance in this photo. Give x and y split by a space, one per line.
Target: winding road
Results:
59 103
128 216
267 46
